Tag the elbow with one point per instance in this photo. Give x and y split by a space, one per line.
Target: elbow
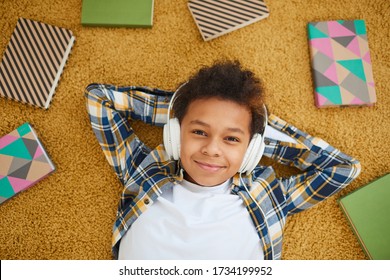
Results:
91 88
356 168
351 172
96 93
344 174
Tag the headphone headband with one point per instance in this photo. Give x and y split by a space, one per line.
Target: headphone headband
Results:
172 101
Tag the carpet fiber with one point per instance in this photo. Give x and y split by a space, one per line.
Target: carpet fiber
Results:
69 215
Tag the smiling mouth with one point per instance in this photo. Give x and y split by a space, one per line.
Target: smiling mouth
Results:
209 167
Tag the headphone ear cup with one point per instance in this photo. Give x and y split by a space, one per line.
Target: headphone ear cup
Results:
172 138
253 154
167 141
174 129
246 157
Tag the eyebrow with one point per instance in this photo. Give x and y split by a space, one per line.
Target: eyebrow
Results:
231 129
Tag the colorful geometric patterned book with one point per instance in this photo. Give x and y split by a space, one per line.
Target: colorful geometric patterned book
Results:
368 212
23 160
216 18
33 62
118 13
341 64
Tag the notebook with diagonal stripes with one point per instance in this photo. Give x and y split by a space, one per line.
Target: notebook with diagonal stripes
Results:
33 62
218 17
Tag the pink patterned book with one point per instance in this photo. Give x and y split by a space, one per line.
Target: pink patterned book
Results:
23 160
341 64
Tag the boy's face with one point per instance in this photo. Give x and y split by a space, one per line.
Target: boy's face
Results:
214 137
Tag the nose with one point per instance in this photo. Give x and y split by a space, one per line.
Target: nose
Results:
211 148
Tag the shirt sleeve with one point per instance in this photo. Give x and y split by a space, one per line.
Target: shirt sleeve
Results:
110 110
326 170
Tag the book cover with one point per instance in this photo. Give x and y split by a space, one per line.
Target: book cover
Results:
117 13
33 62
341 64
368 212
216 18
24 161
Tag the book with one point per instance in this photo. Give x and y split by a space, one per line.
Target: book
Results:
341 63
117 13
24 161
33 62
368 212
216 18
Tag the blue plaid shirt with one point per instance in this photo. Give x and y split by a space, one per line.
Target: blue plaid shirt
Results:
146 174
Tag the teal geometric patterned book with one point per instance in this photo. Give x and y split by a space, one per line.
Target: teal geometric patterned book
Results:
117 13
23 161
341 63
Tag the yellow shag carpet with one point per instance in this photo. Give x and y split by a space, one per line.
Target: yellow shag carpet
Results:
69 215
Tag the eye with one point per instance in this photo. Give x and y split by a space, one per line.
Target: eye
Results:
232 139
199 132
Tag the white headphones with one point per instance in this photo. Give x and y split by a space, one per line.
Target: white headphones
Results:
171 139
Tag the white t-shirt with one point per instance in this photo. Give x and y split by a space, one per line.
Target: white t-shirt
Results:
193 222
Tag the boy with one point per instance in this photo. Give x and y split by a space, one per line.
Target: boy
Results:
202 195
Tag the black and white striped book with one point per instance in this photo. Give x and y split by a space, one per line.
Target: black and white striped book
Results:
33 62
218 17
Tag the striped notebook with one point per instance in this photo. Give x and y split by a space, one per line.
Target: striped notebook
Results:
218 17
33 62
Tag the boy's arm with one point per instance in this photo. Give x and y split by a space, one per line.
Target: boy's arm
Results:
326 169
110 109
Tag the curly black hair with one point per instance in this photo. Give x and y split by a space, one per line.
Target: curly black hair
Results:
226 80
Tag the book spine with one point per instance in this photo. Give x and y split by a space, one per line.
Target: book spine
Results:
312 68
60 70
354 230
